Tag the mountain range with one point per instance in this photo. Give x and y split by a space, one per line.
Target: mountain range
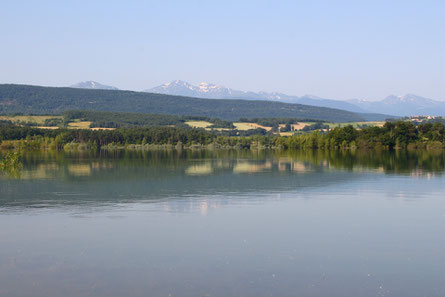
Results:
407 105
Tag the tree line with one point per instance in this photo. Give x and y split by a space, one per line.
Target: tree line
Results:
393 135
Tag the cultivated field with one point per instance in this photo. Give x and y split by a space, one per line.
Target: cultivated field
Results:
100 128
48 127
79 125
39 120
198 124
248 126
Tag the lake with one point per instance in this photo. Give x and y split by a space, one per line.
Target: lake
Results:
224 223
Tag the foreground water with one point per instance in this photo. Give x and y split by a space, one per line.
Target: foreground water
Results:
224 224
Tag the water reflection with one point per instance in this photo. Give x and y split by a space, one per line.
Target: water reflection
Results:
223 223
97 178
50 164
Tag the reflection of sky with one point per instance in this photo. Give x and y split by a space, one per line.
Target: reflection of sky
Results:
372 236
266 227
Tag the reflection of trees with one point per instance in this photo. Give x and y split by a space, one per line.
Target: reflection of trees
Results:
11 164
101 177
399 161
169 163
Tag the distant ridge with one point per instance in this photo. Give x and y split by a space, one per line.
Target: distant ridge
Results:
92 85
50 100
407 105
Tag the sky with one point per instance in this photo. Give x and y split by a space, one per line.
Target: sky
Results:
332 49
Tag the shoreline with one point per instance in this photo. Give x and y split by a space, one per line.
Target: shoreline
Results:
22 145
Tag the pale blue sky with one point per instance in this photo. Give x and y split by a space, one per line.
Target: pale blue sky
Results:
333 49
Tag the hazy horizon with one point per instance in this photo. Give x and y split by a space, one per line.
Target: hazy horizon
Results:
340 50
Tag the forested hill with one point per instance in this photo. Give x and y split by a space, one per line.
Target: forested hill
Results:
49 100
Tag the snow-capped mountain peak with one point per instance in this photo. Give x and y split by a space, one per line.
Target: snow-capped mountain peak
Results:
203 90
177 84
176 87
208 87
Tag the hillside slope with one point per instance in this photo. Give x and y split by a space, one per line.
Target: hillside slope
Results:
50 100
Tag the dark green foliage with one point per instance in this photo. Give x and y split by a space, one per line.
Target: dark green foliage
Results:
48 100
53 122
5 123
316 126
106 119
286 128
341 137
217 123
250 132
404 133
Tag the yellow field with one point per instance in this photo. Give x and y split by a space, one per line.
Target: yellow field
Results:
198 124
39 120
248 126
100 128
79 125
299 126
242 126
48 127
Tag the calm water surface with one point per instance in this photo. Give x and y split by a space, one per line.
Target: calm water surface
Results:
226 223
